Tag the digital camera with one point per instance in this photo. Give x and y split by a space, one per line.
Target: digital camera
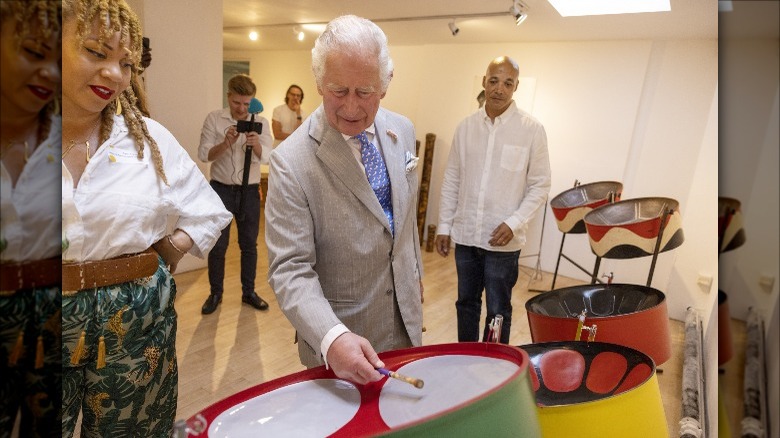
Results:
249 126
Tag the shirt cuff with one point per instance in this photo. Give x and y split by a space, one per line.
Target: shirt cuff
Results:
335 332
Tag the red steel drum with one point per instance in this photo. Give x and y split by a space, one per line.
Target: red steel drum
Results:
596 389
571 206
630 228
625 314
731 235
470 389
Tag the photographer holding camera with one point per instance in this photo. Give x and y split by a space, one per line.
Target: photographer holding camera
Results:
222 143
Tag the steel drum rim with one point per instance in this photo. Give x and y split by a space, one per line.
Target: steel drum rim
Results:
596 212
559 292
482 349
554 201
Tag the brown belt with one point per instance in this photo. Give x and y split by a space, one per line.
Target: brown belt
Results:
29 274
99 273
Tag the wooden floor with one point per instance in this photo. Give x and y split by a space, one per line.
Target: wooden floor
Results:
238 347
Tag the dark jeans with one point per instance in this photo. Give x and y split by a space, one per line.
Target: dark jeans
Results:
248 225
496 273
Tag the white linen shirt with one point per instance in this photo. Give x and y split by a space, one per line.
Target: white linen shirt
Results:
496 172
30 217
228 168
121 205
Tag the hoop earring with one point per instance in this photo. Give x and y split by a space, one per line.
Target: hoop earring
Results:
118 107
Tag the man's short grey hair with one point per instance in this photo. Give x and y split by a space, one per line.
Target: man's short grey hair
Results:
356 36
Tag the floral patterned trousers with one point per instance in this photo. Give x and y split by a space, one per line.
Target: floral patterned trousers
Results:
119 358
30 365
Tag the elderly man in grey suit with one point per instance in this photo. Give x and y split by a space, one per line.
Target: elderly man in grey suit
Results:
343 250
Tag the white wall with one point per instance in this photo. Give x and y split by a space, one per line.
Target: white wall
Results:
749 155
184 81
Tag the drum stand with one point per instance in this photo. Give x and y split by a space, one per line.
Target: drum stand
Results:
593 275
662 226
537 273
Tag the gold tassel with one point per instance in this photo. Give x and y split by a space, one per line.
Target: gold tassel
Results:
118 107
39 353
101 359
78 353
18 349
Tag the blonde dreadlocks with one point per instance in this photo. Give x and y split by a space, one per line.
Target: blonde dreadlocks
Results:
116 16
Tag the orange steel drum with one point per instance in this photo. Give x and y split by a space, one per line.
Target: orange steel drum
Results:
596 390
571 206
630 228
470 389
725 345
625 314
731 235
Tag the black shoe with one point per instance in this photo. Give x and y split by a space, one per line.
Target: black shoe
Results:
211 304
255 301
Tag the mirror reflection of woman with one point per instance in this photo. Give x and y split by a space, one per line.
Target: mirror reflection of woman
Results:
123 177
30 237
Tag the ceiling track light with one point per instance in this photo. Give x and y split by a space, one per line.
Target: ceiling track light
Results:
253 35
453 28
299 33
519 10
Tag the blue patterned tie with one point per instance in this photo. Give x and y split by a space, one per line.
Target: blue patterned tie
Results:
377 176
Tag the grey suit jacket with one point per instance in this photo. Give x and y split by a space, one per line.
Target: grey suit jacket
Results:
331 256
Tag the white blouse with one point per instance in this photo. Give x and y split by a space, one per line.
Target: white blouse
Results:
29 213
122 206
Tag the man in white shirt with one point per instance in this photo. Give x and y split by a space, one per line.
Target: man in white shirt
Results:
288 117
224 147
497 177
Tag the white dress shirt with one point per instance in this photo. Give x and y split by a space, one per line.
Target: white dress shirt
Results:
496 172
228 168
121 205
30 216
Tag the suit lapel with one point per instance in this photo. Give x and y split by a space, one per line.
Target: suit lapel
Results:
335 154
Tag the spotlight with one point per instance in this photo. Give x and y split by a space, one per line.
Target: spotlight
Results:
519 11
253 35
299 33
453 28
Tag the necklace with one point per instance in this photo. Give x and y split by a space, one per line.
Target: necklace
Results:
73 143
12 143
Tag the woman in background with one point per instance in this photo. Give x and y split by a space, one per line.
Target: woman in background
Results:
123 177
30 295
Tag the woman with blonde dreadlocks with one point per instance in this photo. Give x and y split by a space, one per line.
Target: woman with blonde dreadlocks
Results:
123 177
30 217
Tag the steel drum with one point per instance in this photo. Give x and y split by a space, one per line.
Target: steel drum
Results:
630 228
596 390
731 235
471 389
625 314
571 206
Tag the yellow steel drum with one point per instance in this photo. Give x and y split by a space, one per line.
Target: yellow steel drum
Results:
595 389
